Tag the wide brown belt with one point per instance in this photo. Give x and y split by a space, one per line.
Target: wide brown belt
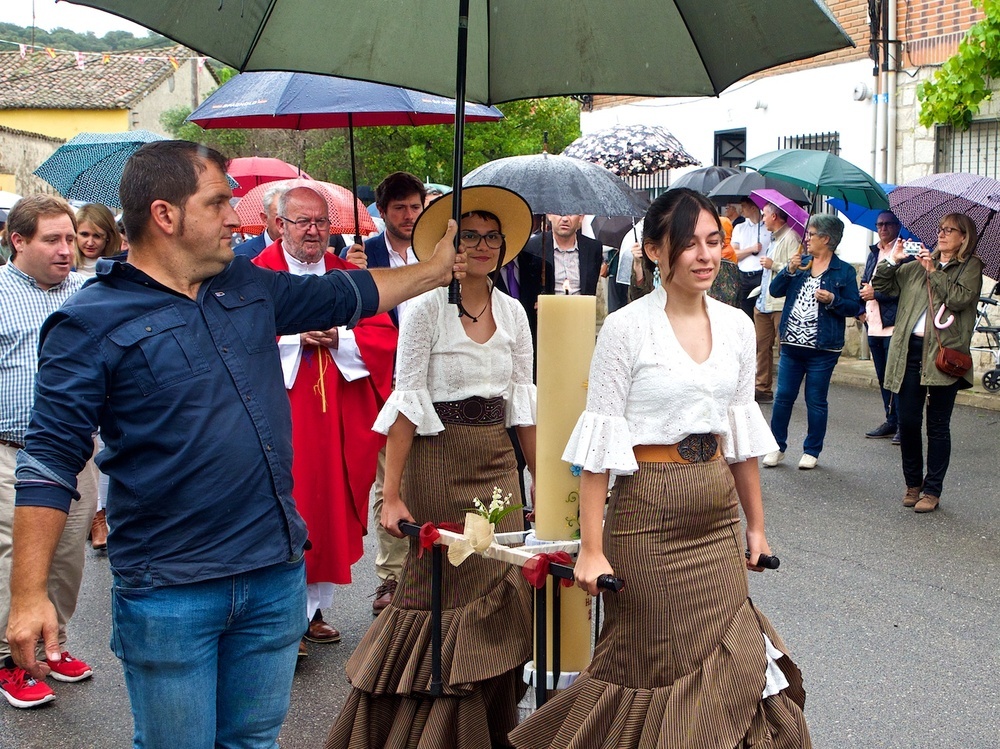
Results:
695 448
474 411
11 443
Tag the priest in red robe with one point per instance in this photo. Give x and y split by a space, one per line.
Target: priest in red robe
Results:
337 381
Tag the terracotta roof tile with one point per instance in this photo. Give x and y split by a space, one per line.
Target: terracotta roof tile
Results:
42 82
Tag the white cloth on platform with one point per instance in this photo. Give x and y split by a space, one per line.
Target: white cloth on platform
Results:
644 389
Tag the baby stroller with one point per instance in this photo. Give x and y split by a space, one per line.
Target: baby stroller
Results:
990 342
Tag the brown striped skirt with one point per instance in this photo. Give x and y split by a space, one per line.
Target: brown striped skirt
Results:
486 623
680 661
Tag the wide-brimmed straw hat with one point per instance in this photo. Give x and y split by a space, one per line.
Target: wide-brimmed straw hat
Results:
512 210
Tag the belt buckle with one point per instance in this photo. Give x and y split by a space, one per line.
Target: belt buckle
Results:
698 448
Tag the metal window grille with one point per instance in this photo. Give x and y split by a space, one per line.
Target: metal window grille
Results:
730 147
975 151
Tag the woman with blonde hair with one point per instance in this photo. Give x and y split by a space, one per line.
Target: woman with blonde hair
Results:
96 237
938 294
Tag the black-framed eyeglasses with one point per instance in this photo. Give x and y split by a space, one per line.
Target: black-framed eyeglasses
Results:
471 239
880 224
948 230
303 224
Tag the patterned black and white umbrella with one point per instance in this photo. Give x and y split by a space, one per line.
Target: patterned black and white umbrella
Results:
922 203
627 150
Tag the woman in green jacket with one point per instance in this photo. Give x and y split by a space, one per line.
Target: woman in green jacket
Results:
954 277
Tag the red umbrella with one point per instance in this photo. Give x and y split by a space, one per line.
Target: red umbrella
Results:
340 201
252 171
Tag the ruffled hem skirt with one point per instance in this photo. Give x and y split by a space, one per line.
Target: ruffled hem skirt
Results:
486 618
682 659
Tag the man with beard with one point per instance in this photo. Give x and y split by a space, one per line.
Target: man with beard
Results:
400 200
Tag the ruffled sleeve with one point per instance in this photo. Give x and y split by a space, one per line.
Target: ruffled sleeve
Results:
411 398
602 440
748 433
521 393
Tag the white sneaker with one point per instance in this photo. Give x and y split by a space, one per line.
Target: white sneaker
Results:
772 459
807 461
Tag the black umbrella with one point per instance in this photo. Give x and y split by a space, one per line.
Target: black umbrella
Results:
611 230
739 186
705 179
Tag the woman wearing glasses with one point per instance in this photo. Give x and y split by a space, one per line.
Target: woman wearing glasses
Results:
821 293
460 382
937 307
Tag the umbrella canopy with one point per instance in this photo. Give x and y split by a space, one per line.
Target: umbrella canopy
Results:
823 173
251 171
88 167
705 179
922 203
611 230
859 215
701 46
339 200
628 150
304 101
740 185
561 185
8 199
797 216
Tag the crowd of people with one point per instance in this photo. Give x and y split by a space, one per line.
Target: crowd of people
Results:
306 391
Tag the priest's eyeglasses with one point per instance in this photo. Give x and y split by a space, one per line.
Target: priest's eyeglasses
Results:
303 224
471 239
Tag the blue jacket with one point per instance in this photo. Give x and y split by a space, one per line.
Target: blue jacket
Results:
841 279
887 304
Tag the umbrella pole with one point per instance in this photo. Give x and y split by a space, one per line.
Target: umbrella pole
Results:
354 178
454 288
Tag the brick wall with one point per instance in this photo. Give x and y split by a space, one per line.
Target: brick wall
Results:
931 30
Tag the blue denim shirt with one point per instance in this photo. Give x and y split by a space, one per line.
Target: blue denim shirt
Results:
842 280
190 401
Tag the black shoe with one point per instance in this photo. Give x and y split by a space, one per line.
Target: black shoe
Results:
896 438
886 430
763 397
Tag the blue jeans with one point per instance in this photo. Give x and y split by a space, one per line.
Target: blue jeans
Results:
794 364
879 347
210 664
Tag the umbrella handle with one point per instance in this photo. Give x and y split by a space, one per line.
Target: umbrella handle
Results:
937 319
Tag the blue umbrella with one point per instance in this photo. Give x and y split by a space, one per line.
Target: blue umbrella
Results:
89 166
860 215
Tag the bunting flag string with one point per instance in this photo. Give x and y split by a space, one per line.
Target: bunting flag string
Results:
83 58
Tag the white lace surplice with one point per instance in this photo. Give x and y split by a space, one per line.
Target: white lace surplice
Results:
646 390
437 361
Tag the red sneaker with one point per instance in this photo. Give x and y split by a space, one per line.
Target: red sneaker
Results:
23 691
69 669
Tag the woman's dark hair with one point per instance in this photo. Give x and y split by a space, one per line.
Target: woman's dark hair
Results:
672 218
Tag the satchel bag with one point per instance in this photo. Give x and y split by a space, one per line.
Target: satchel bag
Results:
952 362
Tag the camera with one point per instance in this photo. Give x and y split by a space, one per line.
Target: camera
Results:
911 248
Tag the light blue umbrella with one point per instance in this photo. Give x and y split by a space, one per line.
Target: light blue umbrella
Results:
89 166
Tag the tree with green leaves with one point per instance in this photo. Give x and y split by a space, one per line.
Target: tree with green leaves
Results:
959 87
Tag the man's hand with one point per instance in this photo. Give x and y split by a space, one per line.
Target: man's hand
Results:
867 292
329 338
445 259
356 256
32 620
766 263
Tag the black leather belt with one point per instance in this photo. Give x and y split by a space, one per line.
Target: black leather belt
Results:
11 443
472 411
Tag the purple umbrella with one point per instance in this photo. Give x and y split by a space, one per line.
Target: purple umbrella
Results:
797 216
922 203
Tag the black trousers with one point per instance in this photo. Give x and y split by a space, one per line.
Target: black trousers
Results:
749 282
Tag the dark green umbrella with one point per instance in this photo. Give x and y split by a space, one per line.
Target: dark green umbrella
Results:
823 173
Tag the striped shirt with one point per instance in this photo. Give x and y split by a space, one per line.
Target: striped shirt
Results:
23 308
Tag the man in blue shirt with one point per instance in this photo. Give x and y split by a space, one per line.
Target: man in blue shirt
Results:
174 356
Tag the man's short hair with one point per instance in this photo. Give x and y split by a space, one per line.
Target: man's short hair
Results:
778 212
23 217
271 194
163 170
397 186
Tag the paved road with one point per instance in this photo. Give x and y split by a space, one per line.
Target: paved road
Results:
892 616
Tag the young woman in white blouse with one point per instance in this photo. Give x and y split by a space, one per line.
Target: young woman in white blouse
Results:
684 658
461 381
